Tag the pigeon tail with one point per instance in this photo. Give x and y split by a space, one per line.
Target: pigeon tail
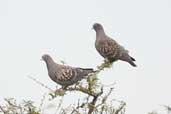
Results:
132 58
128 59
87 71
132 63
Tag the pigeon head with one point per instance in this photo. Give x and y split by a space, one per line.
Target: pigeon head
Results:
46 57
97 26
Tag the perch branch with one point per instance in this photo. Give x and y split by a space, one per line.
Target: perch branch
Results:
82 89
93 102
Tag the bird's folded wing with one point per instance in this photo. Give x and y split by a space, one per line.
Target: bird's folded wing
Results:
67 73
117 48
108 48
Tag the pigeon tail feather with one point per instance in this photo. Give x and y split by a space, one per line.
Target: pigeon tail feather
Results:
132 63
128 59
87 71
132 58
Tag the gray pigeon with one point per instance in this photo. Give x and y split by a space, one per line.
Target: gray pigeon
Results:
65 75
109 48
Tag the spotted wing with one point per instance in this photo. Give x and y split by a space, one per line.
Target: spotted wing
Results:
109 48
67 73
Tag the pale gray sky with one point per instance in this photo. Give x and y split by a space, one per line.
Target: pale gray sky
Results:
62 28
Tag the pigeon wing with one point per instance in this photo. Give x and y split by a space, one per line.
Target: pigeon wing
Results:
109 48
106 48
66 74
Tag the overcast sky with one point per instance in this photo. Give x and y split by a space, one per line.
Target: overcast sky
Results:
62 28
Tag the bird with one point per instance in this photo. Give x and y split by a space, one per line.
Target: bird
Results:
64 75
109 48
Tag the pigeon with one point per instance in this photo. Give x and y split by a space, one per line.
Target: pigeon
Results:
65 75
109 48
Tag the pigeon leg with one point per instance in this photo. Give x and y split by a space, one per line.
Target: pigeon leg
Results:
64 87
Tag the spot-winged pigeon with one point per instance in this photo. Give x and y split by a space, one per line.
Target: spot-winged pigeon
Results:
109 48
65 75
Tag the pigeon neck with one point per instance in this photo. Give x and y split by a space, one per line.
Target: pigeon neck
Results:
49 62
100 33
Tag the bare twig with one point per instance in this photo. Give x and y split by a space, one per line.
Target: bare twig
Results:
93 102
168 109
40 83
120 108
103 101
3 110
74 110
59 104
42 101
